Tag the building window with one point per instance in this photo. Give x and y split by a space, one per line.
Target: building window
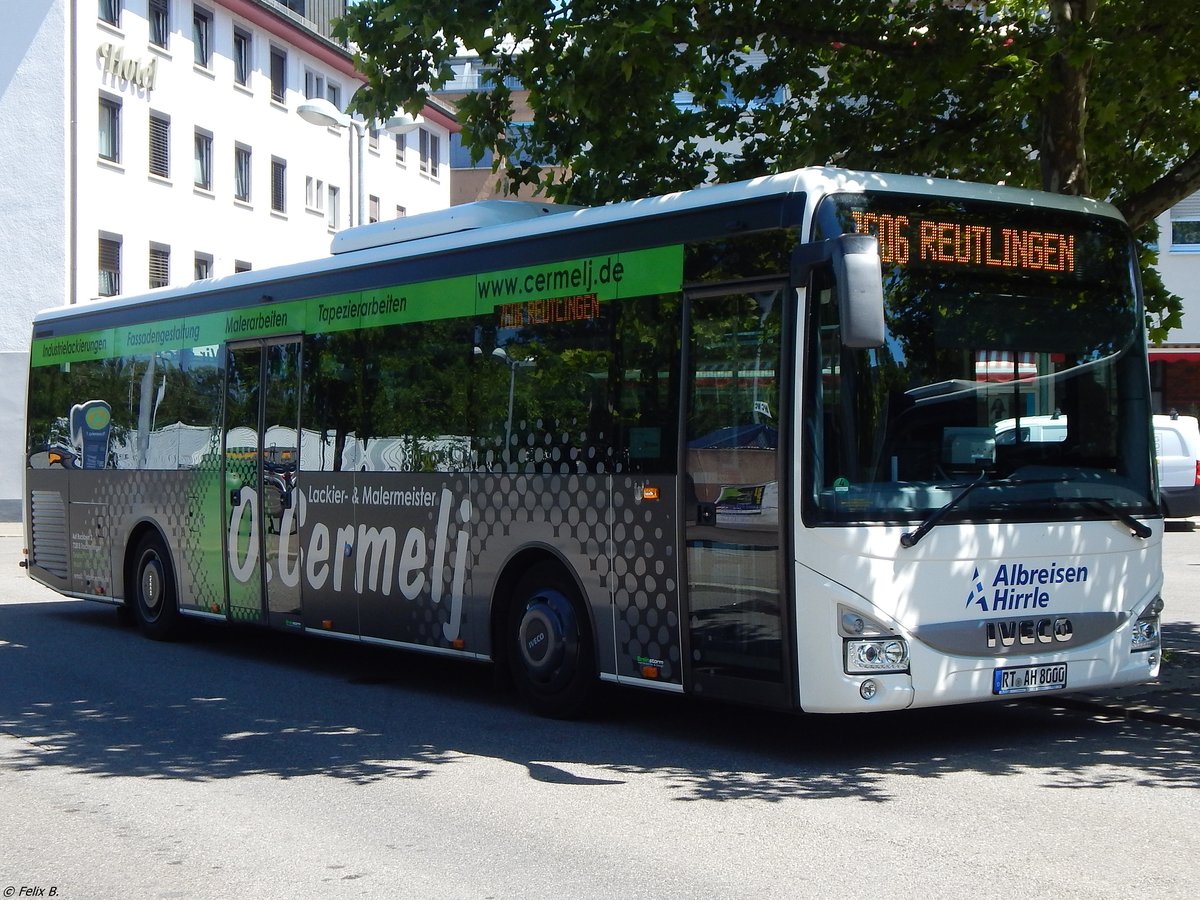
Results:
401 148
1185 225
314 84
314 194
241 266
110 12
203 177
460 156
335 207
278 75
110 129
160 145
373 209
431 146
241 57
278 185
401 212
1185 234
110 266
373 137
160 23
201 32
204 262
241 173
333 93
160 265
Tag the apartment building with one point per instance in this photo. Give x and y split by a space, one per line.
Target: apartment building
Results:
1175 365
153 142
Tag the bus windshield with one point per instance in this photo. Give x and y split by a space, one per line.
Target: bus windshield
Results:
1014 361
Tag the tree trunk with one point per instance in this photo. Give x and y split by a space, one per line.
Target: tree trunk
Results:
1064 110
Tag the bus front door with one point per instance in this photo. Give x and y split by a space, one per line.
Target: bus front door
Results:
734 476
262 467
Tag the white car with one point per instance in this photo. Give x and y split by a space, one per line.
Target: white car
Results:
1177 446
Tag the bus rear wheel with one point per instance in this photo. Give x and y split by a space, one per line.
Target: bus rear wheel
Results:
550 652
154 598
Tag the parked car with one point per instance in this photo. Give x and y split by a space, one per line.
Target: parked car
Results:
1177 443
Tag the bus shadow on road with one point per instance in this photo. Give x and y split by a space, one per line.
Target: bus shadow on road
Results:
81 692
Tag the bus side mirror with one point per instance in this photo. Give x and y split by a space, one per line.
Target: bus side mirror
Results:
859 278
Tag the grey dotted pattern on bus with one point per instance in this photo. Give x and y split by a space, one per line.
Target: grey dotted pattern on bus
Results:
599 517
179 512
628 545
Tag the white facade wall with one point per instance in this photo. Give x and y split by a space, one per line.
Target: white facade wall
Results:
126 200
60 197
34 184
1180 270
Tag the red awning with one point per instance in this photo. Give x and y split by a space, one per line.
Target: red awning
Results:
1172 355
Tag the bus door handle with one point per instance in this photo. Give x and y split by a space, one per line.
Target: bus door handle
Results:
235 497
706 513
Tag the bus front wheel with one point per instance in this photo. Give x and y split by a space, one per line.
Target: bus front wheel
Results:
154 598
551 654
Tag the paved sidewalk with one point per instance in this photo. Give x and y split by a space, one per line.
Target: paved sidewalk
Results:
1173 699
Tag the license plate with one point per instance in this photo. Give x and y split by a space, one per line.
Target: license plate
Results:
1027 679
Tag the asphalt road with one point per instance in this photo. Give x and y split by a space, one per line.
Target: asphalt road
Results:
1181 588
240 763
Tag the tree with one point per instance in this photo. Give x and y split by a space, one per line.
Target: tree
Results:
638 97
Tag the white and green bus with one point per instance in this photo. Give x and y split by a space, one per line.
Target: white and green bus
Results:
738 442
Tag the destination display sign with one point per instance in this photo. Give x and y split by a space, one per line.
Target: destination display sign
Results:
907 239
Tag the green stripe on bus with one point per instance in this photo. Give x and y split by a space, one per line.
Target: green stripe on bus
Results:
636 273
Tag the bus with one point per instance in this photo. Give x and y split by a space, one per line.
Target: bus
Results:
738 442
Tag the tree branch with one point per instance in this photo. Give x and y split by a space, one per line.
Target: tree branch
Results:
1143 206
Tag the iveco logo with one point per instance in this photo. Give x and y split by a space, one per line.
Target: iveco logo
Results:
1029 631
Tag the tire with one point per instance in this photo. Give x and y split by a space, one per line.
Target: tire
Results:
154 598
550 650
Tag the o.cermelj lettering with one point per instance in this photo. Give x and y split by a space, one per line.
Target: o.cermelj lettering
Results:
341 554
1016 586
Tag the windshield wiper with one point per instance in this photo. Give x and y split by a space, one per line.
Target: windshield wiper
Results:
910 538
1136 528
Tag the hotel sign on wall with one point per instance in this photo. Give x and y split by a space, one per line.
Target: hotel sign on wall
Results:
133 71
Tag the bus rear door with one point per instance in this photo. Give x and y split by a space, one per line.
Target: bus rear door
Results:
261 473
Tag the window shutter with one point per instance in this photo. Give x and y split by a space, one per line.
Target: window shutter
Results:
110 267
160 146
1188 208
160 267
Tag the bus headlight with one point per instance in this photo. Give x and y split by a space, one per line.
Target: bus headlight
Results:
887 655
1146 629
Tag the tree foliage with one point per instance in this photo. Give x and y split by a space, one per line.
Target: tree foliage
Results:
639 97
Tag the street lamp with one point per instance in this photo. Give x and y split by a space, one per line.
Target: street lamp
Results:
513 364
319 111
